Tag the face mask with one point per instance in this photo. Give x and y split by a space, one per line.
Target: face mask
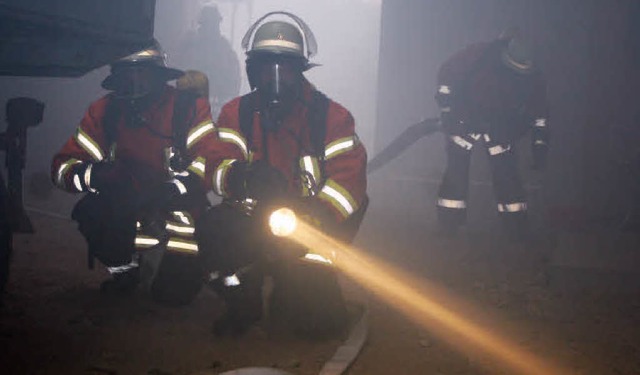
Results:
279 84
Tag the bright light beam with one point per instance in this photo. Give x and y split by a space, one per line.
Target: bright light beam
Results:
401 291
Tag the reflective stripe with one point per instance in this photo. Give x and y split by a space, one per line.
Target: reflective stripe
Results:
63 169
180 185
339 146
182 246
541 123
198 132
145 242
475 136
228 135
461 142
180 229
451 203
89 145
218 178
487 138
497 150
310 175
317 258
338 197
123 268
512 207
87 178
182 217
76 182
445 109
198 166
277 43
539 142
232 280
444 89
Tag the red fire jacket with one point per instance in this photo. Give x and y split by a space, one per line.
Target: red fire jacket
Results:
340 174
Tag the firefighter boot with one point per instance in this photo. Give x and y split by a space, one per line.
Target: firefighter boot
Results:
121 282
243 299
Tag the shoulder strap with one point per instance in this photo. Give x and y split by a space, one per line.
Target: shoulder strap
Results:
245 117
317 118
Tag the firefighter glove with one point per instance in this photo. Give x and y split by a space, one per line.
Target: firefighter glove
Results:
264 182
100 177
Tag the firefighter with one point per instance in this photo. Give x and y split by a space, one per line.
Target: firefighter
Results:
139 155
207 50
491 94
283 143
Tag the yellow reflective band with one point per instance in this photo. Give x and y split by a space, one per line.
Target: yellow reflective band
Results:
198 166
311 174
183 217
278 43
180 229
76 182
89 145
338 197
232 136
145 242
339 146
199 131
218 178
182 246
63 170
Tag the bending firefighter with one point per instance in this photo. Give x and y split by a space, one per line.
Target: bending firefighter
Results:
490 94
285 143
139 154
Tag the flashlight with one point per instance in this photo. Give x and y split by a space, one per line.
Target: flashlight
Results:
283 222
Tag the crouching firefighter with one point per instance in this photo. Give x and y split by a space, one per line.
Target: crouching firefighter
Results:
285 142
490 94
139 155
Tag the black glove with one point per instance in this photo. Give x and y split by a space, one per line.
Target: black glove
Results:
539 153
169 193
102 176
257 180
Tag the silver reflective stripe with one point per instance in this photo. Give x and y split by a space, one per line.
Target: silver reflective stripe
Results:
539 142
228 135
338 197
218 178
497 150
182 246
512 207
232 280
123 268
461 142
487 138
76 182
452 203
541 123
87 178
181 188
475 136
445 109
198 132
63 169
444 89
278 43
89 145
339 146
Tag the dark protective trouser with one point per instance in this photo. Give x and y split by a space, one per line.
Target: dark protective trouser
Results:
306 296
110 231
507 186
